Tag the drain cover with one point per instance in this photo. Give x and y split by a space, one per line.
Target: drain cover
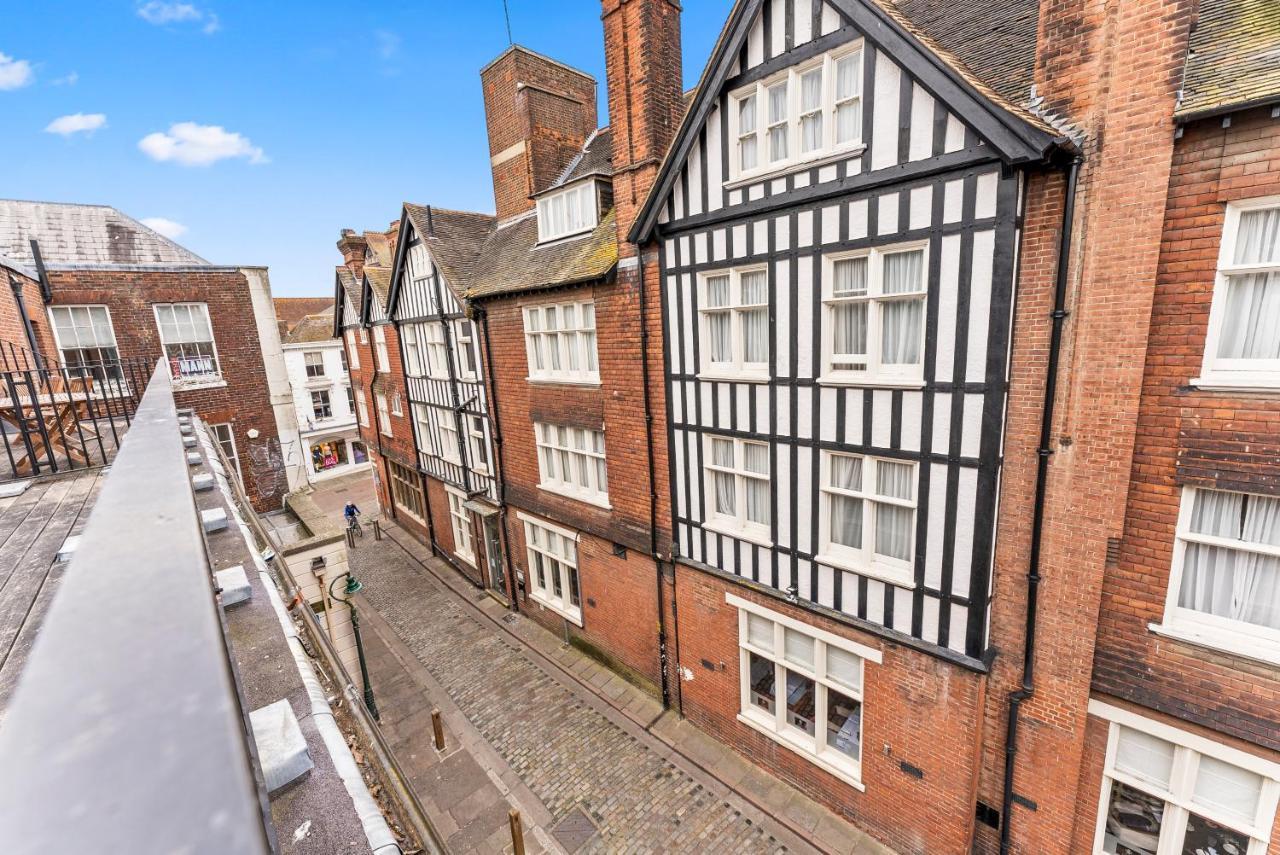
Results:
574 830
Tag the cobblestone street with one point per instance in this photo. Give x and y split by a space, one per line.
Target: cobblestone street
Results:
570 754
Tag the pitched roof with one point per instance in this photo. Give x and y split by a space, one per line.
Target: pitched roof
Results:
453 237
291 310
596 158
1234 57
512 262
84 235
380 283
313 328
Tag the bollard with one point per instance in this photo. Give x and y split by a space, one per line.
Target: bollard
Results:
438 726
377 531
351 539
517 834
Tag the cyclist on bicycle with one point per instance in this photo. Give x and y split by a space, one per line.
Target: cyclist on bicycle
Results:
350 513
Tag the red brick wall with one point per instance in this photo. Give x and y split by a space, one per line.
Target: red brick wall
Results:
244 401
13 335
917 709
1212 165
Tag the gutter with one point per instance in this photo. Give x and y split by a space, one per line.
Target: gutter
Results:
1028 688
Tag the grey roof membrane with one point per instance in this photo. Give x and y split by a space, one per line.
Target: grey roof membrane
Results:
73 234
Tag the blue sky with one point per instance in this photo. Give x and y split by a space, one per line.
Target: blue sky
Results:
263 128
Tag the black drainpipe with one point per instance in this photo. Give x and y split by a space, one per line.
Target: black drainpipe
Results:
653 488
1028 687
499 467
27 329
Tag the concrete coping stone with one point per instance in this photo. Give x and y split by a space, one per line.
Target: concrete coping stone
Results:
14 488
235 586
214 519
189 441
282 749
68 548
194 458
202 482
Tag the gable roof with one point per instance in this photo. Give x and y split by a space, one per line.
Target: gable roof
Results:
454 239
379 279
512 262
1233 59
934 56
345 288
73 234
313 328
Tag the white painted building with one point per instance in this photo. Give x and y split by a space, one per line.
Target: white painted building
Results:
323 400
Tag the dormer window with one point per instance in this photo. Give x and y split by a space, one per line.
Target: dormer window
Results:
567 212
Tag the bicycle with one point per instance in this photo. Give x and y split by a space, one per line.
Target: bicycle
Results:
354 526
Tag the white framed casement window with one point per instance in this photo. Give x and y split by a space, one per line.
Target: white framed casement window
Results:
464 545
436 427
86 339
560 341
808 113
384 417
413 365
226 438
736 486
364 336
397 406
425 286
1167 792
321 406
351 399
477 446
733 309
436 351
342 359
380 348
313 363
362 409
1242 348
567 212
187 339
802 687
571 462
465 336
873 315
867 518
353 354
553 567
406 491
1224 585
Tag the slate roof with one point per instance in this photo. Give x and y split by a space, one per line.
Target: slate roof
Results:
1234 57
453 237
511 262
72 234
313 328
596 158
291 310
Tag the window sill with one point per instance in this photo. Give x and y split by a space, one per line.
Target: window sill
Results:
1267 384
732 377
791 169
562 381
468 559
322 380
1259 650
199 383
574 616
903 577
758 538
848 775
577 497
869 382
565 238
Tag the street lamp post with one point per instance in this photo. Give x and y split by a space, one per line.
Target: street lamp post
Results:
353 586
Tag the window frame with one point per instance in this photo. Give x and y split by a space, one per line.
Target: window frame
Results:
1226 634
353 353
384 413
382 359
569 577
435 353
546 441
313 359
1178 798
812 748
460 524
581 339
400 484
413 353
214 376
875 374
1215 371
477 443
737 525
234 456
589 213
464 331
829 149
738 368
865 560
321 400
362 409
62 348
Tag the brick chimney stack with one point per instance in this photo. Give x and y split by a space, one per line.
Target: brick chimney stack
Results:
539 113
352 246
646 103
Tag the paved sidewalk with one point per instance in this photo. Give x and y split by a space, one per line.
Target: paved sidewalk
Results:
591 762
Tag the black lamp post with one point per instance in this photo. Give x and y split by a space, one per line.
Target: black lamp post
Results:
353 586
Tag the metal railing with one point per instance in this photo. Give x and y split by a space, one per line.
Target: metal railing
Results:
65 416
126 732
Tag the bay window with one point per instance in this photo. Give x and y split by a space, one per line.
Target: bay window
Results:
802 687
868 515
1242 348
810 112
874 315
571 461
734 311
561 342
553 567
737 486
187 338
1224 587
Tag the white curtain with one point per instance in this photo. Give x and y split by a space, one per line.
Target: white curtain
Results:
747 115
901 323
1233 583
778 113
722 455
849 277
1251 325
849 333
754 288
1258 238
756 459
894 524
811 110
848 104
846 511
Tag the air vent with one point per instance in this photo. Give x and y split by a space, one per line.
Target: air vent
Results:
987 815
1113 551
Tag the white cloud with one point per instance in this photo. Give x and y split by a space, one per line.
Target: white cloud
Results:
168 228
15 73
388 43
189 144
66 79
77 123
164 12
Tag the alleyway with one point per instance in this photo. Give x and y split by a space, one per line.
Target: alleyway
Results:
586 776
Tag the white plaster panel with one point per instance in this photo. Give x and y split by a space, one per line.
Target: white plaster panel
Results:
804 331
954 139
921 207
937 525
962 553
857 219
887 216
881 417
985 195
827 414
921 145
831 224
971 433
912 401
953 201
984 243
948 287
884 129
